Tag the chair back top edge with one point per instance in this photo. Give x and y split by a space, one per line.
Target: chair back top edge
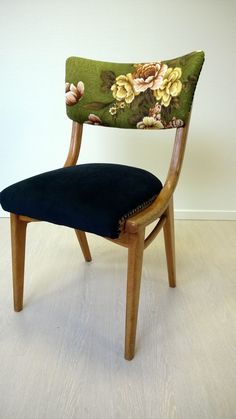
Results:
154 95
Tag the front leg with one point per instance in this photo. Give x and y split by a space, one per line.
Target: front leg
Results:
18 237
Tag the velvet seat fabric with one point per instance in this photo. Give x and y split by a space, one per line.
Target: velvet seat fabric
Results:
90 197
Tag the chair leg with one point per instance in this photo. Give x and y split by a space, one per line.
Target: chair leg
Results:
170 244
18 236
135 261
81 236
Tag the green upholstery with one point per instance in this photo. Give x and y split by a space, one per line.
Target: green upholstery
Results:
147 96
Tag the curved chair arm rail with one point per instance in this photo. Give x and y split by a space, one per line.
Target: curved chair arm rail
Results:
156 230
158 207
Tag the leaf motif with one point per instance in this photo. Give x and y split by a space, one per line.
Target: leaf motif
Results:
186 87
182 61
175 103
189 83
192 78
150 99
95 106
137 102
137 117
144 101
165 112
108 79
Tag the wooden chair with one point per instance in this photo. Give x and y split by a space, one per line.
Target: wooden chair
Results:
155 95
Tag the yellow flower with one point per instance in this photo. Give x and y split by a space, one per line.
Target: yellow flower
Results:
149 122
122 89
171 86
121 105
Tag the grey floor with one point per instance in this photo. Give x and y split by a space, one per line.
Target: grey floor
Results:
62 356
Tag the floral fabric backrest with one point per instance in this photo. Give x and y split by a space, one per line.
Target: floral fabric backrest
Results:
148 96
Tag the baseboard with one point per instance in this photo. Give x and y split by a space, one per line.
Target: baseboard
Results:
4 214
220 215
187 215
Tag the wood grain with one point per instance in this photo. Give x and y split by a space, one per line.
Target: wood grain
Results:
169 235
75 144
135 262
18 238
81 236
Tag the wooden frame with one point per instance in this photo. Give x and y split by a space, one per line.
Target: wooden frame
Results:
132 235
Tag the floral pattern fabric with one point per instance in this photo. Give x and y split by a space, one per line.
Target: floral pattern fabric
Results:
153 95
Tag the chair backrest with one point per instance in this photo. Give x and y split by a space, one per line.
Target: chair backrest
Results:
153 95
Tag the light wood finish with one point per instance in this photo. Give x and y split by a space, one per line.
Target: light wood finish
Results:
75 144
122 240
135 261
156 230
132 235
169 236
18 237
84 245
27 219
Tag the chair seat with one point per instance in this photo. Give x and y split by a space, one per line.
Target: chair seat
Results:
91 197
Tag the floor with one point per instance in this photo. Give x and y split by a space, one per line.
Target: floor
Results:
62 356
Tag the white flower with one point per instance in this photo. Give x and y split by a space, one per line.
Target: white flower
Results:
113 110
74 93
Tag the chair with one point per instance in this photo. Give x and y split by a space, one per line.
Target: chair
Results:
114 201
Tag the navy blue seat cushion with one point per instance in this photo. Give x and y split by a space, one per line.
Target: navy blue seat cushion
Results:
91 197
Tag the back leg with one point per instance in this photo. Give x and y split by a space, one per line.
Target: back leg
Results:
169 236
84 244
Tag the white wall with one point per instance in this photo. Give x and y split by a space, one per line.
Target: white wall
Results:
37 36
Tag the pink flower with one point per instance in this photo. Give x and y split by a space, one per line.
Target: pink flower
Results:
93 120
148 76
155 111
74 93
175 123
